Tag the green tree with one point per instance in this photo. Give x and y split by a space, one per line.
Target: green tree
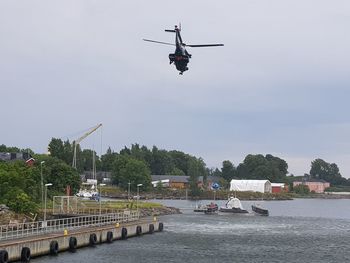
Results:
127 169
86 158
228 171
56 148
263 167
176 171
329 172
19 201
4 148
64 151
19 186
107 160
58 173
181 160
215 172
195 170
67 152
162 163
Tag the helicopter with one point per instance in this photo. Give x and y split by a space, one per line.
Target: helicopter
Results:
181 57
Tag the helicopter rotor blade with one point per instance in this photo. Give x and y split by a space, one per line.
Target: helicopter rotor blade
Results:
205 45
159 42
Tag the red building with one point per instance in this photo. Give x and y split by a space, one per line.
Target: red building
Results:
30 162
279 187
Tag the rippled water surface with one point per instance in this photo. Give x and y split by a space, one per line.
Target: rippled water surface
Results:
297 231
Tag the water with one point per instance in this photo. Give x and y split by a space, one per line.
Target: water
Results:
306 230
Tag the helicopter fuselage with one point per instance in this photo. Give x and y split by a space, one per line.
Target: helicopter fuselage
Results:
181 57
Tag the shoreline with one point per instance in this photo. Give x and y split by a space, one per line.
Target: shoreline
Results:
242 198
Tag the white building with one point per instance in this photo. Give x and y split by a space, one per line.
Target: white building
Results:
163 183
262 186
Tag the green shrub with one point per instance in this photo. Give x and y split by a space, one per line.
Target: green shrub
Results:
301 189
18 201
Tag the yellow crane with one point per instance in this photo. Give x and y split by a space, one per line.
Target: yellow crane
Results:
77 141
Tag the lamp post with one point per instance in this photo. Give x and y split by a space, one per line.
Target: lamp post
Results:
46 185
42 183
99 193
129 191
138 196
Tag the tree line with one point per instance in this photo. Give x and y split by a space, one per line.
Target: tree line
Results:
137 159
20 184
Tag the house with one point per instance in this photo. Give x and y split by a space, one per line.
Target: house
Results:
30 161
262 186
315 185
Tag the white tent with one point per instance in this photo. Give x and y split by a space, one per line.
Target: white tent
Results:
262 186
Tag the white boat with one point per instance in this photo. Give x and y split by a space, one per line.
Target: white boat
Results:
233 205
88 190
86 194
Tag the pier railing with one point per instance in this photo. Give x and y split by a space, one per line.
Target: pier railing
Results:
21 230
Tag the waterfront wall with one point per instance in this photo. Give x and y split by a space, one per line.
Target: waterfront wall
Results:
54 243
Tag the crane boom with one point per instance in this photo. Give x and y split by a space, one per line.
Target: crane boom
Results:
77 141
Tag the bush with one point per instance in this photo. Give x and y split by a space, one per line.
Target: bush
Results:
301 189
20 202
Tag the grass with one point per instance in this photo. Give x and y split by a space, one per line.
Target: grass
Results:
120 204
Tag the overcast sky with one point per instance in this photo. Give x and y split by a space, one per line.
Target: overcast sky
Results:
280 85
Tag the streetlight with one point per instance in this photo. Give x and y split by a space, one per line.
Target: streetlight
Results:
99 198
46 185
129 190
138 197
42 183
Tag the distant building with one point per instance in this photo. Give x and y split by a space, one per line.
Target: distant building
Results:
279 187
315 185
105 177
30 161
182 181
162 183
262 186
172 181
17 157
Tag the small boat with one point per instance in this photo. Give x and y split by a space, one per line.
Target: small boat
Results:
233 205
211 209
260 210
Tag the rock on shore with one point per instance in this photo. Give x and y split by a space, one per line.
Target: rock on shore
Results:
9 217
159 211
